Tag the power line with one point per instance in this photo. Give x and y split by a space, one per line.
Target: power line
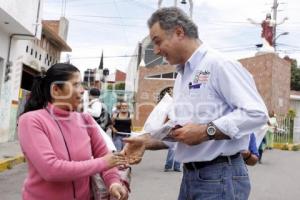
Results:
118 11
239 49
98 57
234 47
142 5
287 45
105 23
109 17
63 8
98 2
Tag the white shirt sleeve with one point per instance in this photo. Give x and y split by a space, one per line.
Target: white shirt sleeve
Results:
237 88
95 109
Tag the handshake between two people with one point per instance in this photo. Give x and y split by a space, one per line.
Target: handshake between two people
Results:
133 151
131 154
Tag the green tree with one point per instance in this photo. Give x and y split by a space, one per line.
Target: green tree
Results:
295 76
120 86
110 87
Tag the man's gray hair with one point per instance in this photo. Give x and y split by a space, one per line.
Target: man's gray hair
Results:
171 17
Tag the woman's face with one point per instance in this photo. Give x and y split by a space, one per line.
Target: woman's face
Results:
69 96
124 107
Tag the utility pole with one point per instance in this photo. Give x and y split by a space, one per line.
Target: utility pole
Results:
139 55
275 6
182 2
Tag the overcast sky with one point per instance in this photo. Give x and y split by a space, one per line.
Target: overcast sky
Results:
116 26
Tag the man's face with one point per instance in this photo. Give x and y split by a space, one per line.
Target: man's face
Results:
166 43
124 107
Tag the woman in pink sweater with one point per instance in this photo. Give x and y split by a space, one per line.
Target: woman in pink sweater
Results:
59 142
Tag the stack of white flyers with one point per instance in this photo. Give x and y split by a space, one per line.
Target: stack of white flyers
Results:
163 133
155 123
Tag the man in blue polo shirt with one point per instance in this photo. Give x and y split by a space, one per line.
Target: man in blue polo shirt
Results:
216 106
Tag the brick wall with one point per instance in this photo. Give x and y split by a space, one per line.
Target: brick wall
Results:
272 76
148 91
120 76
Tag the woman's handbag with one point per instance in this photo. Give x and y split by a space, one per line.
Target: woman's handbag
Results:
98 188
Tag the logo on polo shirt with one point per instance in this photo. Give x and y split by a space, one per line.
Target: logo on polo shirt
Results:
201 77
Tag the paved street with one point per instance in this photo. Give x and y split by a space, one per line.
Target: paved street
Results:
11 182
276 179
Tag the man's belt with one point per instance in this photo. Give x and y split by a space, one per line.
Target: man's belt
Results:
219 159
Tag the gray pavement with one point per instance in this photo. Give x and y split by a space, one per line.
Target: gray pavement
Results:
11 182
9 149
150 182
276 179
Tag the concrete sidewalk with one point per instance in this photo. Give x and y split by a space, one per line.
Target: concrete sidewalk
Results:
10 155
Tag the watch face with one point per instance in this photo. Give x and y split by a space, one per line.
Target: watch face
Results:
211 130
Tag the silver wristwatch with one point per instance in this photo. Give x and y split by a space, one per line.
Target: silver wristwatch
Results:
211 130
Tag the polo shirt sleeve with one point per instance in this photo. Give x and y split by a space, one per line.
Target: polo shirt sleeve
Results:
236 87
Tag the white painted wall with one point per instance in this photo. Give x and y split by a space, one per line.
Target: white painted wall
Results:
24 12
4 38
131 82
3 52
4 43
19 54
131 73
22 18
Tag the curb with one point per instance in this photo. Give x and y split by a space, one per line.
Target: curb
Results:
9 163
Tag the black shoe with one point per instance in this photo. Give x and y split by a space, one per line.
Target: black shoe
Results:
177 170
167 169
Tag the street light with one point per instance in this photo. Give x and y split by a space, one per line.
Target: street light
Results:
284 33
183 2
274 40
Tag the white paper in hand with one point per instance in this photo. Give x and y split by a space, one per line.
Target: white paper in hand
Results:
155 123
163 133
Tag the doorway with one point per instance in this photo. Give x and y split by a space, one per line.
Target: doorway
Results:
27 79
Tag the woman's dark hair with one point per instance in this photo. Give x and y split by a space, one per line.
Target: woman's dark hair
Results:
40 91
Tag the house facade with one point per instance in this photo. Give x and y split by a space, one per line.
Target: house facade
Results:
19 20
32 46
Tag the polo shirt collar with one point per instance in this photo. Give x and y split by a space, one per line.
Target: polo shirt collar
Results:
192 62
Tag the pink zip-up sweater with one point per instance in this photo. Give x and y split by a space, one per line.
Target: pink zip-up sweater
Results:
52 175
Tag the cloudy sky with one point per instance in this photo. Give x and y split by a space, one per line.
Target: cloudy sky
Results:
116 26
